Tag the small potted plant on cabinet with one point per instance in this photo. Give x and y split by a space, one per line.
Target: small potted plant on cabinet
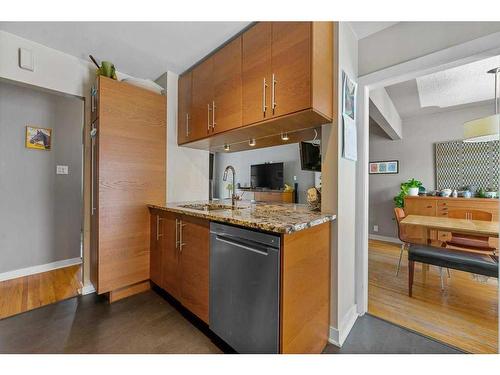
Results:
410 187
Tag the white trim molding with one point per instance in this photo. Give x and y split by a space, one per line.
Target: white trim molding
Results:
338 336
384 238
88 289
39 269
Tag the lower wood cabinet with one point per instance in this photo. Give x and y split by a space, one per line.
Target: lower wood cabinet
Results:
180 259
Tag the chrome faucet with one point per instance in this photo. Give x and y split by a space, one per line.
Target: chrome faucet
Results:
224 178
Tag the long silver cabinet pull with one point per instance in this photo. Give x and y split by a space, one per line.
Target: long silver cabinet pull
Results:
93 134
208 118
273 93
181 243
187 124
264 89
213 115
158 234
176 233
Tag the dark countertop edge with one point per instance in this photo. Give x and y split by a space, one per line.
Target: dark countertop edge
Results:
286 230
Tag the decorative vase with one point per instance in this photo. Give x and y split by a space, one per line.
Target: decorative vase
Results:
413 191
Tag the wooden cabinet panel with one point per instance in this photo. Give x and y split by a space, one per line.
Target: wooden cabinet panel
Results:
256 73
195 265
171 281
202 97
184 108
291 66
131 167
227 110
420 206
155 249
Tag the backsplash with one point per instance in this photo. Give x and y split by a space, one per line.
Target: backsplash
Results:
460 164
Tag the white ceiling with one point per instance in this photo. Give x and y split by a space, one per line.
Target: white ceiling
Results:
367 28
448 90
141 49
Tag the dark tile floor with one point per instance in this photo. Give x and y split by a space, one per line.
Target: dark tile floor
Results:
372 335
147 323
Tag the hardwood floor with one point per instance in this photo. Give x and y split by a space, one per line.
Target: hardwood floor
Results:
30 292
464 314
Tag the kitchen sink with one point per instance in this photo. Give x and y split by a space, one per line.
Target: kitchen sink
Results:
209 206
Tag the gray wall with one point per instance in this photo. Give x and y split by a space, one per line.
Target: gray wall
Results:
241 161
408 40
415 153
40 212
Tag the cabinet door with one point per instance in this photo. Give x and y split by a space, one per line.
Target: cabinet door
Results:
155 259
202 98
195 237
256 73
291 66
184 108
227 87
170 255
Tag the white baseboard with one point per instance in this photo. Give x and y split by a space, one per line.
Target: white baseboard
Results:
384 238
39 269
88 289
338 336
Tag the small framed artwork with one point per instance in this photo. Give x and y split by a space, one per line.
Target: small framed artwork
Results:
38 138
384 167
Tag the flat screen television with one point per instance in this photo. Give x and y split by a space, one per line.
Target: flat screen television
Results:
310 157
267 176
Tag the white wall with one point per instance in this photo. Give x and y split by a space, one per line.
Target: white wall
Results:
408 40
187 169
338 196
289 154
383 110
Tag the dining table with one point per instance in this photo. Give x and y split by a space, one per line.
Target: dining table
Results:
447 224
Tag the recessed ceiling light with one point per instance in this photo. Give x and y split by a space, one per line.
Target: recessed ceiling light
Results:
284 137
252 142
227 147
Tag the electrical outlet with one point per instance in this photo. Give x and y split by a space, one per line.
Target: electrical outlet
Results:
375 228
62 169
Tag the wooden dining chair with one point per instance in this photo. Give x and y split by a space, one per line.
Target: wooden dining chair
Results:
399 214
469 241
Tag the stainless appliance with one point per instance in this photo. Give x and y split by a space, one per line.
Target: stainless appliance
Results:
244 288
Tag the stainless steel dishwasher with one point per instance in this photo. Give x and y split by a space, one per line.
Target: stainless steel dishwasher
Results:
244 288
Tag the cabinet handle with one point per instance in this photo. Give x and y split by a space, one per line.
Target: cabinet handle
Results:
264 106
213 115
158 235
208 118
176 233
181 244
187 124
273 93
93 134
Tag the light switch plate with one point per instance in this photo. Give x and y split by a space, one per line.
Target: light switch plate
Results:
62 169
26 60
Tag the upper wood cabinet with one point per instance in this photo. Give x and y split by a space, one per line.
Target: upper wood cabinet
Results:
184 122
256 74
226 105
275 77
202 98
291 67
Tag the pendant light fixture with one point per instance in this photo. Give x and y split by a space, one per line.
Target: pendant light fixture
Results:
485 129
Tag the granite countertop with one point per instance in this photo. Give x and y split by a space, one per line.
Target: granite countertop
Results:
271 217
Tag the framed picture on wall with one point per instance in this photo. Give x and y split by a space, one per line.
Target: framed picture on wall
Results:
38 138
384 167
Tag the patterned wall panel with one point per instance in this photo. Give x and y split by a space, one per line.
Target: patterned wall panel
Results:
460 164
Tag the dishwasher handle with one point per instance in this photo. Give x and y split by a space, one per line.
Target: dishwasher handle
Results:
243 244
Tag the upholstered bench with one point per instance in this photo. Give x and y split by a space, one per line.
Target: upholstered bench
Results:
481 264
